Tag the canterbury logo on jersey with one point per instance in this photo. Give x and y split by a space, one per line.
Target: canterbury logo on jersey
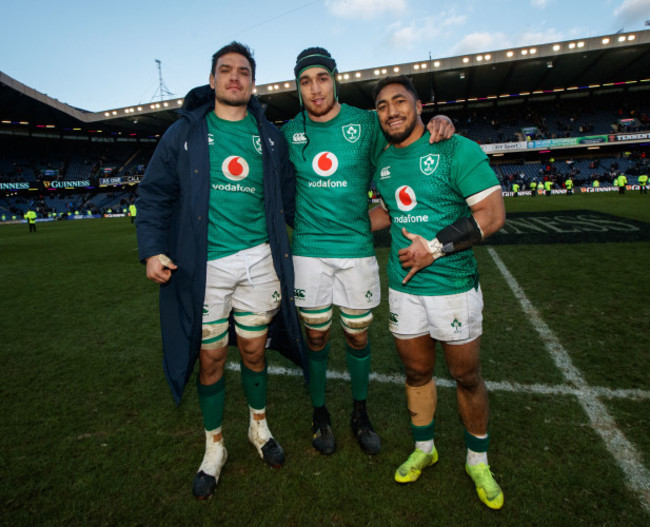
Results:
385 173
299 138
325 164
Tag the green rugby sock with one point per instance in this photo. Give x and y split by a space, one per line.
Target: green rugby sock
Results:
423 433
477 444
317 374
476 449
254 383
211 401
359 367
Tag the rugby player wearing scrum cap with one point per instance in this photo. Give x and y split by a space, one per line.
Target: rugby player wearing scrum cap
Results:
332 146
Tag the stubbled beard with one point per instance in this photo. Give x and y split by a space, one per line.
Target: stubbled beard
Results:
399 137
320 112
231 102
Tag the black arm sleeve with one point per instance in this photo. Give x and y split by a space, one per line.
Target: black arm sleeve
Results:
460 235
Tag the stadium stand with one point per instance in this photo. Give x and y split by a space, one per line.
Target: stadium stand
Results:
579 114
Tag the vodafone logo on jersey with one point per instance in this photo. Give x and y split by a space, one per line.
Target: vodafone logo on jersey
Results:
405 198
235 168
325 164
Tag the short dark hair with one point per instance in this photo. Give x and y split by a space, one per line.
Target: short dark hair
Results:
235 47
396 79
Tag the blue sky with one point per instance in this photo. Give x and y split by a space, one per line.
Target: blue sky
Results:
98 55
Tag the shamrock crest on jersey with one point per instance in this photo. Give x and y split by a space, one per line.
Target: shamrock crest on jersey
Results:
325 164
351 132
429 163
235 168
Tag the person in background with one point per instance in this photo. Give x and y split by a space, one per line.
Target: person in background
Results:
643 183
548 185
569 186
622 183
31 216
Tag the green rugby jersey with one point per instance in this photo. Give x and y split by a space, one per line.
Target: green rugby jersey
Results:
424 187
237 218
334 165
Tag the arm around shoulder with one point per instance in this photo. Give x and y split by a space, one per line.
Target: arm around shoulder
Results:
441 128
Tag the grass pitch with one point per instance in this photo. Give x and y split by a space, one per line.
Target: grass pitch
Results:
90 435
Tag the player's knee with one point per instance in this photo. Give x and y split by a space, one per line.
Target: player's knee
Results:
468 379
318 319
253 357
417 376
355 321
211 364
357 340
250 325
317 339
214 335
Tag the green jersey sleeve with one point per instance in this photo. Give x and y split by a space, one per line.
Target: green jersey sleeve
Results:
471 171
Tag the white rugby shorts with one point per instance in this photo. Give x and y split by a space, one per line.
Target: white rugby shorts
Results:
343 282
245 281
455 319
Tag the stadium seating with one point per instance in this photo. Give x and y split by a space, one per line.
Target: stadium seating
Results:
37 159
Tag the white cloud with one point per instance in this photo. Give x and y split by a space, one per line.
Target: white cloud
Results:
365 9
481 42
403 37
453 20
540 4
424 30
632 13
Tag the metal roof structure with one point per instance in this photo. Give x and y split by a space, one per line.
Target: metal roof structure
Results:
596 63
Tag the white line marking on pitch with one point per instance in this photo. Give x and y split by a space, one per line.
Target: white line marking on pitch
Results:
493 386
622 450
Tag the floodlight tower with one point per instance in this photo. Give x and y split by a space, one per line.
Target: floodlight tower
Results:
162 87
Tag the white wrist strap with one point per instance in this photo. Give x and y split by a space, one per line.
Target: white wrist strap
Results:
435 248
